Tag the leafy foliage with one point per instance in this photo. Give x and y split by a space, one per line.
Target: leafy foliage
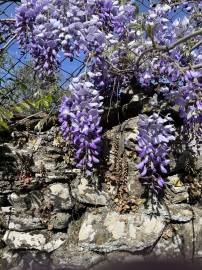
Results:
24 93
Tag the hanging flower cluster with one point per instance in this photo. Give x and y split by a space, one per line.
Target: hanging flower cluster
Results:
46 27
155 134
80 122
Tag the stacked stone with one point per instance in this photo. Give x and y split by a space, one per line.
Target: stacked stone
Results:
51 215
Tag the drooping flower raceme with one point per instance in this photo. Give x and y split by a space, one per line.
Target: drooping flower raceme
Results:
46 27
80 122
155 134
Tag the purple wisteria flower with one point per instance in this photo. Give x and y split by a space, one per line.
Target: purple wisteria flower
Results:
46 27
80 123
155 134
38 34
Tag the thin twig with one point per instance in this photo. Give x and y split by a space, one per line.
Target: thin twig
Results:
180 3
194 67
7 20
194 236
30 116
119 71
196 15
169 47
8 43
182 40
110 102
196 46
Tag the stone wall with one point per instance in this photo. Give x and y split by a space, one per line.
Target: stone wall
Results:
51 215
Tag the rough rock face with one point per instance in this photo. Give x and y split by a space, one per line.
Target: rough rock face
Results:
86 194
105 231
51 215
33 240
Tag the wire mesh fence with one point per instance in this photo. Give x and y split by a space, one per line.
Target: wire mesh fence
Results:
17 68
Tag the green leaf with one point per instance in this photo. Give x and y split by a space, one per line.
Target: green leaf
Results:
3 125
5 114
39 126
22 85
21 107
18 109
136 12
150 30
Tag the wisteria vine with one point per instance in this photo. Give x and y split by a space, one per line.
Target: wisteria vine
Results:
155 134
80 123
161 50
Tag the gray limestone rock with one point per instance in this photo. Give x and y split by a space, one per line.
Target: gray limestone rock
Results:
181 241
88 194
59 196
171 212
29 200
179 213
105 231
59 221
25 259
22 222
39 240
74 257
169 247
18 201
191 233
6 186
